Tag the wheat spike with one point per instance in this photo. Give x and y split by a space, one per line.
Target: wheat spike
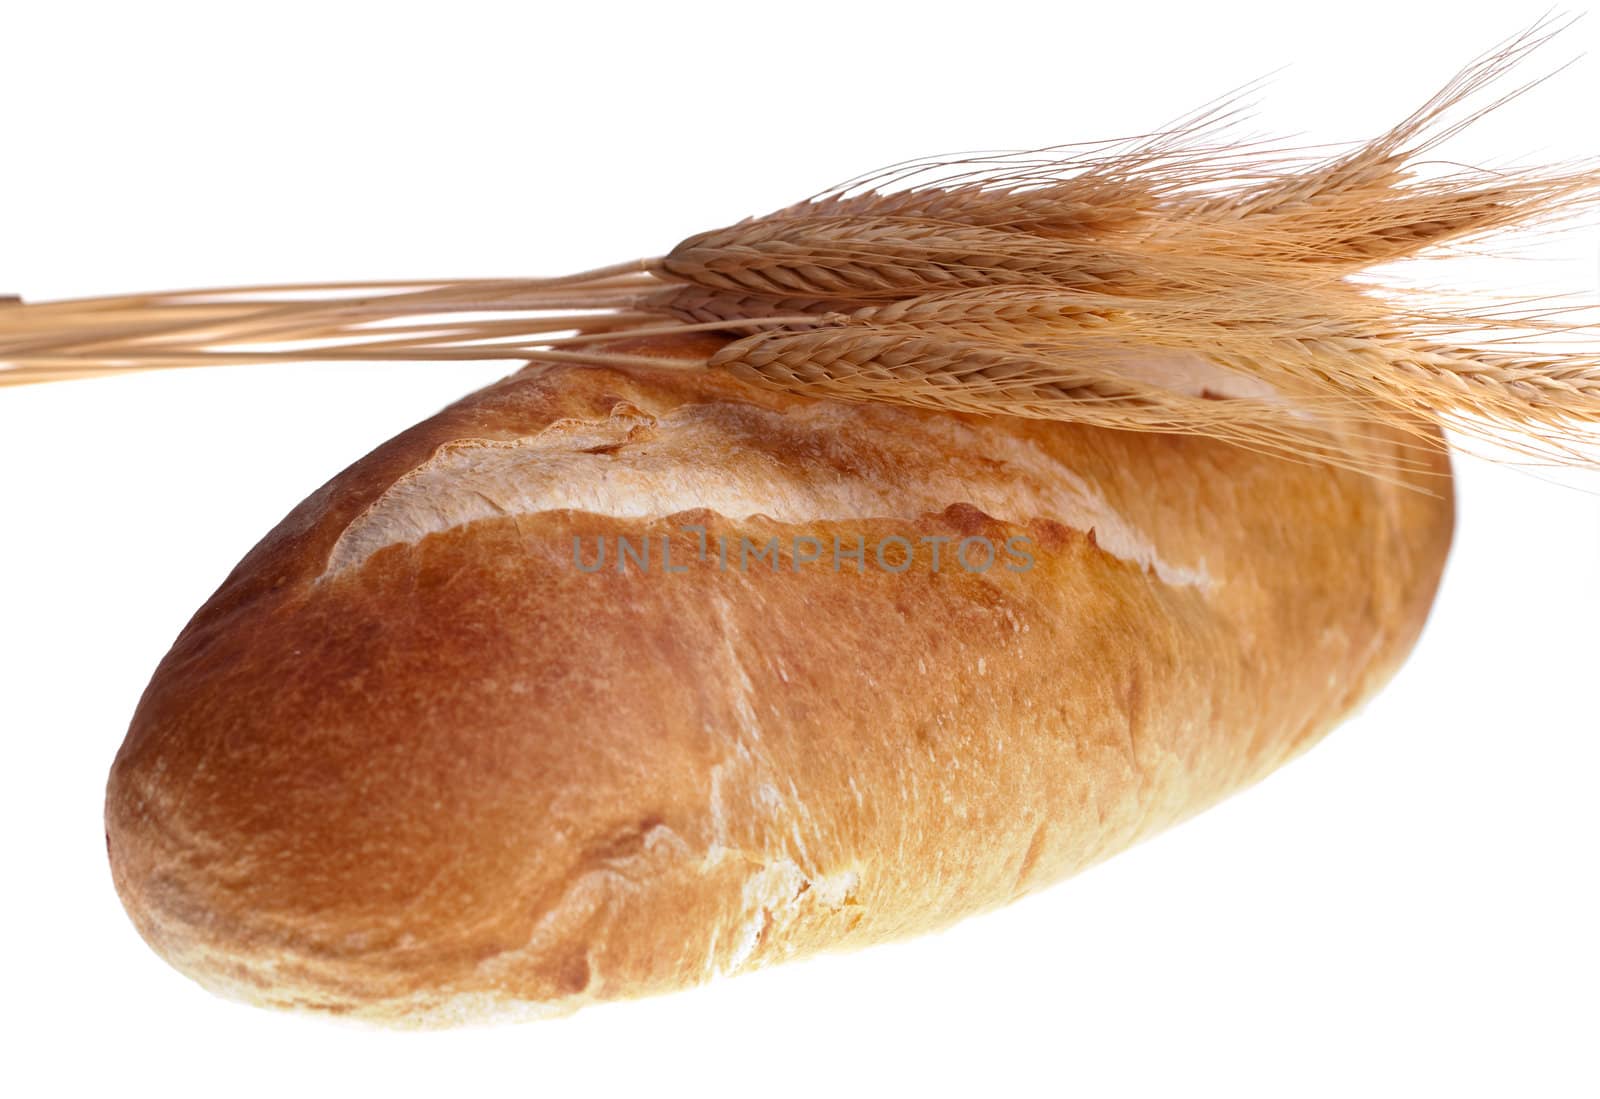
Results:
1055 283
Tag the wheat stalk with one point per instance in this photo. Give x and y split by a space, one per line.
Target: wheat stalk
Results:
1039 284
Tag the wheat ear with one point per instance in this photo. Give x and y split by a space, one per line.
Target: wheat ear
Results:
1183 281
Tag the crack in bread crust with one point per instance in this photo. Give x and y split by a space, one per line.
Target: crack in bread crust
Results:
803 464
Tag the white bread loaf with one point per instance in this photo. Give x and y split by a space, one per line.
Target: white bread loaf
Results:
415 763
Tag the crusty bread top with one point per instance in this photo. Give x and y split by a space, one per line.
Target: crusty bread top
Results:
411 763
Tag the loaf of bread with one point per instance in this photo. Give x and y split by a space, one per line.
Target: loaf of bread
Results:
604 683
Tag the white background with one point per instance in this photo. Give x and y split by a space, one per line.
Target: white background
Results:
1411 907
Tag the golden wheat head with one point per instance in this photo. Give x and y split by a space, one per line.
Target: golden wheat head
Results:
1179 282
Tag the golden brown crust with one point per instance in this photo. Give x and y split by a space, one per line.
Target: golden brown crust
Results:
412 763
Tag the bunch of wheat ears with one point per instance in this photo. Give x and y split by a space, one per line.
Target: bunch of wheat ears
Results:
1042 284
